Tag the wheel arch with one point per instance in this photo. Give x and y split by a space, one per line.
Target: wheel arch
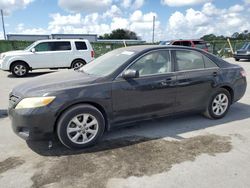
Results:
19 61
230 90
77 59
96 105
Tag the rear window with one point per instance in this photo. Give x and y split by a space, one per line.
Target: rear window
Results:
186 43
60 46
200 44
81 45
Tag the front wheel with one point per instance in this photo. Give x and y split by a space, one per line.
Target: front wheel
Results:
219 104
19 69
80 126
236 59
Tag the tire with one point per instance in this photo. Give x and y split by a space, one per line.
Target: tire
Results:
78 137
237 59
19 69
76 64
221 99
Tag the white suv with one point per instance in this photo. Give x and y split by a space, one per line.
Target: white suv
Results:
43 54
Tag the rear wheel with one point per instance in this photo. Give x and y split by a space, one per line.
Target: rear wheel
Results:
78 64
19 69
80 126
219 104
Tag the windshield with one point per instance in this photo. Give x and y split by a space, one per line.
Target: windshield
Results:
244 47
200 44
108 63
28 48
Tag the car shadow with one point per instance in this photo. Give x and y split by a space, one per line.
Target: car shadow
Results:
145 131
32 74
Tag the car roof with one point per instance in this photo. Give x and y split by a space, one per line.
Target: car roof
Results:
156 47
58 40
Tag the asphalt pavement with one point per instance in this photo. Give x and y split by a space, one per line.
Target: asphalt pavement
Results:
185 151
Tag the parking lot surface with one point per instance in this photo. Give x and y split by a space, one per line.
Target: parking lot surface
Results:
185 151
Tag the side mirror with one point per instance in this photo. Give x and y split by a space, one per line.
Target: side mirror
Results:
33 50
130 73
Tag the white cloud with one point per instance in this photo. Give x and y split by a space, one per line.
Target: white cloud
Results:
84 5
236 8
210 19
9 6
179 3
133 4
114 11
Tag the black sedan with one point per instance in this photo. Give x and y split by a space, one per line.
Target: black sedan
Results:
123 86
243 53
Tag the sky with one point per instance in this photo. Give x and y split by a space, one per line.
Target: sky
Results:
175 19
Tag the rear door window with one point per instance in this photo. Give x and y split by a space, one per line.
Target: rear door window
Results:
81 45
61 46
188 60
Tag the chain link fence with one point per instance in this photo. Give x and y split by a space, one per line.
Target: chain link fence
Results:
219 48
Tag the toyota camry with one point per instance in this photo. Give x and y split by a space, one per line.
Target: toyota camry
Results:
123 86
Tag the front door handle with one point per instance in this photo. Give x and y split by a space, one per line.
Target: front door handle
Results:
166 82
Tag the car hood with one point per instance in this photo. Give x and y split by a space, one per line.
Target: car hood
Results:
53 82
16 52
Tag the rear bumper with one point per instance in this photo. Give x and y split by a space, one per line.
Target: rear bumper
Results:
236 56
33 124
239 89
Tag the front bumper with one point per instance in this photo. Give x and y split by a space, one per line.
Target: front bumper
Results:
238 56
33 124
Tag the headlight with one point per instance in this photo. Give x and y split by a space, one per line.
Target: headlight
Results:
2 56
248 52
34 102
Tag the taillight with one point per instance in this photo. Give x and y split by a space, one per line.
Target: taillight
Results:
243 73
92 54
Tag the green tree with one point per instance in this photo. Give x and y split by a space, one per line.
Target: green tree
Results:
120 34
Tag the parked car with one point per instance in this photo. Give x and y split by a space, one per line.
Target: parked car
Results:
195 43
123 86
165 42
243 53
45 54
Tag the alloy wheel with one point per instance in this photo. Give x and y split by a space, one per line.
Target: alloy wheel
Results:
20 70
82 128
220 104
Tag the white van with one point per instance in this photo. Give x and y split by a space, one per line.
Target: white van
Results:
43 54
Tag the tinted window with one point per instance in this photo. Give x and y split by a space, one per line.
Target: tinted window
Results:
153 63
81 45
60 46
177 43
209 63
200 44
189 60
43 47
186 43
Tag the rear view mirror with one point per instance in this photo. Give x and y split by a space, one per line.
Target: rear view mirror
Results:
33 50
130 73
